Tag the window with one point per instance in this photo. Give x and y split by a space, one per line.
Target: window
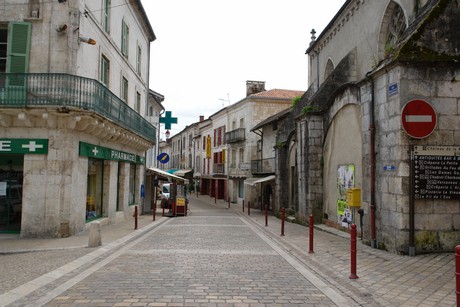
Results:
124 38
3 46
124 89
241 155
105 69
241 122
151 111
14 47
138 102
106 15
139 60
94 188
218 136
396 27
132 184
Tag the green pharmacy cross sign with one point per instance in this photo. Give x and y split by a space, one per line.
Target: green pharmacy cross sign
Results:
168 120
24 146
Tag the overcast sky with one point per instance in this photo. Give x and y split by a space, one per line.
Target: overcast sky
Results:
206 50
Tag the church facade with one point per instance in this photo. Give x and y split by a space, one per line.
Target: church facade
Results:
365 126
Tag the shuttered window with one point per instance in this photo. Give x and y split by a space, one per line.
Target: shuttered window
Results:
124 38
18 47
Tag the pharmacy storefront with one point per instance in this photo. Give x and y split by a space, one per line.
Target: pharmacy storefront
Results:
106 165
54 188
12 153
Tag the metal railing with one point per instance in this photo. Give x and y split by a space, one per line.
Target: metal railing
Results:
263 166
235 135
218 168
64 90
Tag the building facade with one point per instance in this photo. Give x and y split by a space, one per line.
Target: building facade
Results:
73 97
224 156
349 128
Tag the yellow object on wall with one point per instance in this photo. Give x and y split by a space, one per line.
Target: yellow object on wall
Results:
354 197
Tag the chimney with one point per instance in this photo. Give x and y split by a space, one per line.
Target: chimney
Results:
254 87
201 118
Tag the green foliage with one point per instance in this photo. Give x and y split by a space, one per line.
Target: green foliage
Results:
309 109
295 101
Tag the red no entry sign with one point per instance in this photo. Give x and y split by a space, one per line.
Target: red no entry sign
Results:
418 118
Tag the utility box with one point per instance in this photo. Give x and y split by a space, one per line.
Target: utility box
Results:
354 197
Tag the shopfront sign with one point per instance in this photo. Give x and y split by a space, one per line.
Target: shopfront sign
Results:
24 146
100 152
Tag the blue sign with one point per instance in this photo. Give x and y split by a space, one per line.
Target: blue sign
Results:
393 89
389 168
142 190
163 158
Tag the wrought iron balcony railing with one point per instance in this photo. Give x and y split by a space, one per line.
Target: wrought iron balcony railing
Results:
235 135
218 168
263 166
64 90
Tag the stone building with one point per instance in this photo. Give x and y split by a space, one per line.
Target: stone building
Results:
349 130
73 96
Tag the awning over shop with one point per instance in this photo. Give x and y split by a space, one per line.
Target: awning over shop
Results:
164 174
254 181
182 172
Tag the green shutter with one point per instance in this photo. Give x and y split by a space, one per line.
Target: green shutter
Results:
18 47
17 62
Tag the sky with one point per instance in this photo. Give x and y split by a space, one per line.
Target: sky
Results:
206 50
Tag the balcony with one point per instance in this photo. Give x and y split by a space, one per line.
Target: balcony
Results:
263 166
234 136
218 168
66 91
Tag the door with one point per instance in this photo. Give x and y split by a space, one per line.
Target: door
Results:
11 179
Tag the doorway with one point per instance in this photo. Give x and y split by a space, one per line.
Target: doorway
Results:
11 180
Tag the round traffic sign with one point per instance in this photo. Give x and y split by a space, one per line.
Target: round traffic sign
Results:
163 158
418 118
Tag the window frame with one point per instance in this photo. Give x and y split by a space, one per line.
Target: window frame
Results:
124 38
105 70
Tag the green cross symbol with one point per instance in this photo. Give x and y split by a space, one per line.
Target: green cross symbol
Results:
168 120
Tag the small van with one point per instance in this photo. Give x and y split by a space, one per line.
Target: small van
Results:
165 190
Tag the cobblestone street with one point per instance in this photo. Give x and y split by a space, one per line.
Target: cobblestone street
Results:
219 256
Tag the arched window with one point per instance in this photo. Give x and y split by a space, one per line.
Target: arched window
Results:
392 28
329 69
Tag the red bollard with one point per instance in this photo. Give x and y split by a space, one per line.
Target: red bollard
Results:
353 252
154 211
266 215
243 205
163 214
249 208
282 221
312 222
229 202
135 217
457 273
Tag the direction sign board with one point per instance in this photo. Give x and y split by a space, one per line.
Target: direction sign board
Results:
418 118
436 172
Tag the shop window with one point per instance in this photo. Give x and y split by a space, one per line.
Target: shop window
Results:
94 189
119 181
132 184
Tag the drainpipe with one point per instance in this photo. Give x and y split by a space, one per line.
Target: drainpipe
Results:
372 161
